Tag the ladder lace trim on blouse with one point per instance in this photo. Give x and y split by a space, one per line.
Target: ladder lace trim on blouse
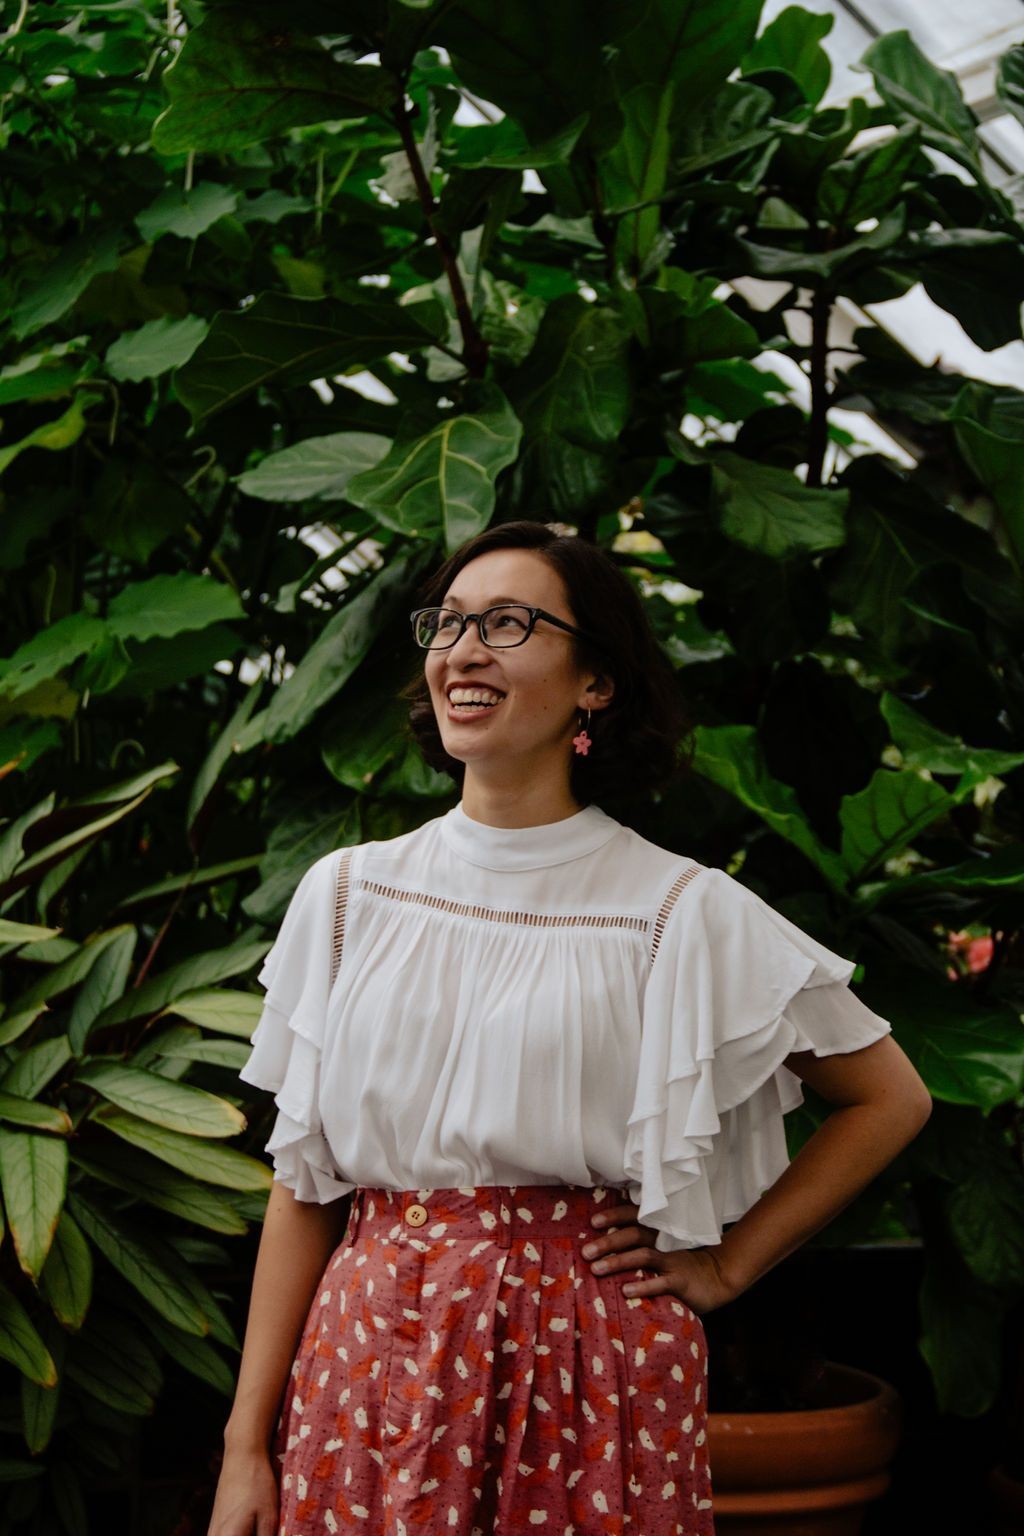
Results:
625 921
500 915
341 870
681 881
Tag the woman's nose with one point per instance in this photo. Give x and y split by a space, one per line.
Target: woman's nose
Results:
470 640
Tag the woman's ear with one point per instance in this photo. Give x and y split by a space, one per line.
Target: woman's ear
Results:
600 692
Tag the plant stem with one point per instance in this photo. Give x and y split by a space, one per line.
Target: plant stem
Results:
474 348
817 437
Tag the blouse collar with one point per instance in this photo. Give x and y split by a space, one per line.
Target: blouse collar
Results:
516 848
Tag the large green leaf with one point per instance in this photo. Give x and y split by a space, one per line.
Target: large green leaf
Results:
229 1013
771 511
197 1356
111 1362
967 1047
731 756
64 281
1010 81
792 42
820 268
178 1106
443 482
893 808
55 436
962 1338
39 1404
976 275
573 396
316 468
199 970
153 1184
44 375
923 746
67 1276
200 1159
863 185
20 1343
989 426
669 57
986 1215
220 754
167 605
503 146
34 1176
155 348
186 213
16 1110
541 64
341 645
104 983
283 341
135 1254
912 86
49 652
35 1066
240 79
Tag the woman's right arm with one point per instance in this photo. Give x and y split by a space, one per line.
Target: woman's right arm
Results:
298 1238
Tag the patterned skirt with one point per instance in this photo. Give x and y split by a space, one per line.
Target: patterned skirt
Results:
463 1372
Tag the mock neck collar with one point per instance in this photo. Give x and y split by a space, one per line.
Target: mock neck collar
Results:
516 848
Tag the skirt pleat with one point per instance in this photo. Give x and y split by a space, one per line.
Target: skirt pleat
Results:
463 1372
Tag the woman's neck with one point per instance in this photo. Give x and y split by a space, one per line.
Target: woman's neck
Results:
517 805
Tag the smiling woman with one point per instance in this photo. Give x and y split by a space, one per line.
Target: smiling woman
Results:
548 1060
584 611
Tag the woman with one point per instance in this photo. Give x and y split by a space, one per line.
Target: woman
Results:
528 1066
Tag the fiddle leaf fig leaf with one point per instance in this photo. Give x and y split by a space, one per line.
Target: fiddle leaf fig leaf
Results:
444 480
239 80
792 42
913 87
282 340
318 468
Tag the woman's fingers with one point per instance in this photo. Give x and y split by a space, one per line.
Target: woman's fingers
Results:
627 1233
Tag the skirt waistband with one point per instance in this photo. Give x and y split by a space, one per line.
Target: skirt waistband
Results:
493 1212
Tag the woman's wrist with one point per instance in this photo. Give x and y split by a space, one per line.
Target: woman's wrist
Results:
241 1439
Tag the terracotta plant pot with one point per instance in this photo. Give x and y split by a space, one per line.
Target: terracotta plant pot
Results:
1006 1496
806 1472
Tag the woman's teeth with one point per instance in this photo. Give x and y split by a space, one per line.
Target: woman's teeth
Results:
473 699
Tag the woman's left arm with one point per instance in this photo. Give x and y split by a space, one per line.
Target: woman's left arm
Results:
881 1105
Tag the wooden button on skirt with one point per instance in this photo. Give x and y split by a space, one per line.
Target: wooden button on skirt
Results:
463 1372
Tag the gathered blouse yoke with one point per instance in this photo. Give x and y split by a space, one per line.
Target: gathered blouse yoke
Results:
568 1003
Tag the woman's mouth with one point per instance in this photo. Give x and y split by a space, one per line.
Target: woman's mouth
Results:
472 703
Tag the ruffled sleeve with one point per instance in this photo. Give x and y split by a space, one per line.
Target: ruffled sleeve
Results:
734 988
288 1039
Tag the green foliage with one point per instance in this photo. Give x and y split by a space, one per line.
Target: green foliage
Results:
282 328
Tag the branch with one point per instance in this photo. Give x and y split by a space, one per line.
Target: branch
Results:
817 437
474 348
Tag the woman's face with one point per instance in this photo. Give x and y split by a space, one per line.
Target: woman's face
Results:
541 691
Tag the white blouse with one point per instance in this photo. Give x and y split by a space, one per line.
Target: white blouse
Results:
557 1004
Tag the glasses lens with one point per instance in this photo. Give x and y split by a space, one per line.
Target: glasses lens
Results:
436 628
508 625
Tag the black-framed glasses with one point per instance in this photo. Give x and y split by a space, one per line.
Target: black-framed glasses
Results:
438 629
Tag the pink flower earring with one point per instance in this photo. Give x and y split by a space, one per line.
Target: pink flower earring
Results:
582 742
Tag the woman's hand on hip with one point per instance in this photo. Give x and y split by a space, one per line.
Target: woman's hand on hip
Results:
621 1244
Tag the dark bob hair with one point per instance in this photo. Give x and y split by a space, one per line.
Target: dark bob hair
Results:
639 739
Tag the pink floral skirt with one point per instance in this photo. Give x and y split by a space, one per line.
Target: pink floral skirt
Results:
463 1372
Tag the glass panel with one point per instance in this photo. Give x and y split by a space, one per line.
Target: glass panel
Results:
943 27
1005 136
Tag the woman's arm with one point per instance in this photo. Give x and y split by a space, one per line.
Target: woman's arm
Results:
298 1238
882 1105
